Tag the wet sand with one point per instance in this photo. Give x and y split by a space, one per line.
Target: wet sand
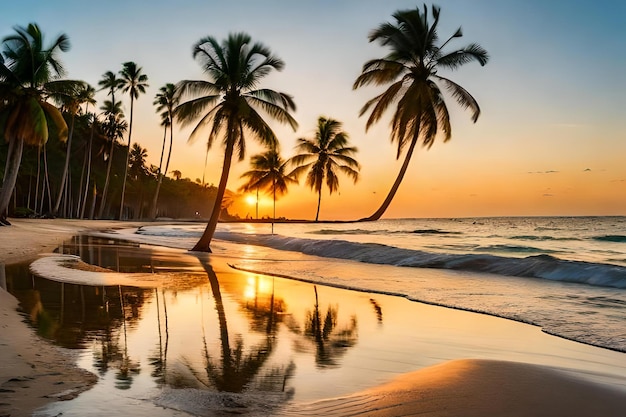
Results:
33 372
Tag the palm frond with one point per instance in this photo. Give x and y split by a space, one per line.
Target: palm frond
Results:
187 112
455 59
462 96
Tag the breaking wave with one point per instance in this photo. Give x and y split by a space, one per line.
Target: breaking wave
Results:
542 266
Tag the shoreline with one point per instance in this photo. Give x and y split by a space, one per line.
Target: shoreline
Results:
433 390
33 371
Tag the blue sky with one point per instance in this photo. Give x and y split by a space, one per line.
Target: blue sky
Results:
551 138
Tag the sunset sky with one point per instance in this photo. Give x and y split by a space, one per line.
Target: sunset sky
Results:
551 139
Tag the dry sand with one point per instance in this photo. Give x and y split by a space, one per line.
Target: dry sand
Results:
33 372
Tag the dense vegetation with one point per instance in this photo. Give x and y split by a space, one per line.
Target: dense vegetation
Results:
35 191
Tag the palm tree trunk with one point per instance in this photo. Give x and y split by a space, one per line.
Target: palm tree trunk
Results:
167 166
130 131
153 208
12 167
205 240
106 181
396 184
93 201
66 167
274 196
319 203
38 176
46 183
87 177
79 200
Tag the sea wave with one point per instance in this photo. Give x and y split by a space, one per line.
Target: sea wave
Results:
541 238
434 232
611 238
513 249
538 266
381 232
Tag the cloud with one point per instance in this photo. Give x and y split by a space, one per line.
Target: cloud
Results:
543 172
587 170
548 195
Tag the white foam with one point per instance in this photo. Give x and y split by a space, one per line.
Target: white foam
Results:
58 268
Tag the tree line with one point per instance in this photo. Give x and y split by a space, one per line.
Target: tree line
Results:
233 108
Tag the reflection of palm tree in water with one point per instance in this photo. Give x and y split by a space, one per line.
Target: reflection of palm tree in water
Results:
110 352
237 369
265 314
330 342
124 376
159 362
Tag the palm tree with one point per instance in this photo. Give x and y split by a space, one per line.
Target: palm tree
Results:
114 127
70 100
324 156
26 69
137 161
235 68
87 97
177 174
268 173
133 82
138 174
110 82
411 68
165 100
95 124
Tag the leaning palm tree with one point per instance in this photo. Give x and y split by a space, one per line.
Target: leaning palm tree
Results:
324 157
412 70
268 173
27 67
133 82
165 100
235 68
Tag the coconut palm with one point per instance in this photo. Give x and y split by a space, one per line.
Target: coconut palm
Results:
70 101
27 67
137 162
94 125
235 68
269 174
133 82
177 174
110 82
113 127
324 156
87 97
165 100
412 70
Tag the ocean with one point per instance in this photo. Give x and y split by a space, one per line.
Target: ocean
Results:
566 275
174 331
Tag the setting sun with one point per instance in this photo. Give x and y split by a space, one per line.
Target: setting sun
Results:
250 199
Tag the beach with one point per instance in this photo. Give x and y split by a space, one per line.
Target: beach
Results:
469 385
33 371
